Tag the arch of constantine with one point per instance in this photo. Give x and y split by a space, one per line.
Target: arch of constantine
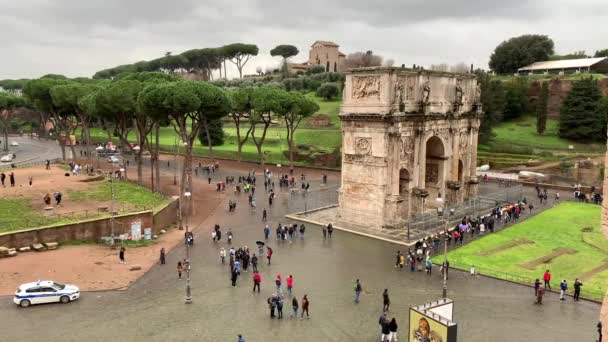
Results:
409 137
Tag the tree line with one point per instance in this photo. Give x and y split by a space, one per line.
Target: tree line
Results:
145 101
199 61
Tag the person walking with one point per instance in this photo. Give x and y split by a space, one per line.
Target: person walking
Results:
386 331
294 308
289 282
12 179
599 331
257 280
241 339
121 255
547 279
305 306
266 232
271 305
3 178
382 321
358 290
223 255
277 282
539 295
392 326
264 215
279 307
268 254
330 230
180 269
324 232
162 256
577 289
302 230
385 300
233 277
536 287
30 180
254 263
563 287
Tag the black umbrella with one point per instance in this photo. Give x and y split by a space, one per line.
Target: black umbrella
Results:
260 243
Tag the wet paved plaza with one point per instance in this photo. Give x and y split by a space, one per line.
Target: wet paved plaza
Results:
153 308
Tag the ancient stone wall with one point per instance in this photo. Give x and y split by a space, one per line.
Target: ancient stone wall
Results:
558 90
91 229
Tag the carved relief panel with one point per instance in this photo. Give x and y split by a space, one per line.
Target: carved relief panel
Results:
407 150
363 146
463 140
366 87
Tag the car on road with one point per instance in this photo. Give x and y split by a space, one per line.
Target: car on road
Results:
46 291
14 143
113 159
7 158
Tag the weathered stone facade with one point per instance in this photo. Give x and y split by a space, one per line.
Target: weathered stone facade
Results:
407 135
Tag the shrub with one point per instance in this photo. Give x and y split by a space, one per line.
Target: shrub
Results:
328 91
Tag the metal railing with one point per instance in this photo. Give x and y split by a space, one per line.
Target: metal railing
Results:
32 163
586 291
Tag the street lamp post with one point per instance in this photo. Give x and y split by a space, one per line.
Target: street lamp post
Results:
175 164
188 299
112 206
442 212
187 194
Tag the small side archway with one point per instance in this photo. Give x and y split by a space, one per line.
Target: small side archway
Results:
434 166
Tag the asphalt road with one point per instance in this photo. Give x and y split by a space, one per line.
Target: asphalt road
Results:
153 308
31 149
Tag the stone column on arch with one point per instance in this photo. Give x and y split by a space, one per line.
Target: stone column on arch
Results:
422 160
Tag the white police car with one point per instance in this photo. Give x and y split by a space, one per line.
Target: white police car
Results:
45 292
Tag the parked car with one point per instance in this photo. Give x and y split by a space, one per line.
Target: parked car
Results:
7 158
14 143
113 159
46 291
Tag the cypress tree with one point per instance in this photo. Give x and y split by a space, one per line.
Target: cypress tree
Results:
541 108
580 115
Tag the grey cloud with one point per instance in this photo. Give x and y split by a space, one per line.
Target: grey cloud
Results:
79 37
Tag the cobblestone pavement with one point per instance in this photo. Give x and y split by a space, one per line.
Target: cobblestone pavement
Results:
153 308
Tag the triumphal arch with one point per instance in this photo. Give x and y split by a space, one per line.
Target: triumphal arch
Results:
409 138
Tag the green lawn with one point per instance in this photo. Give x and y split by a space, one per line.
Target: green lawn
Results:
125 193
330 108
559 227
18 213
522 132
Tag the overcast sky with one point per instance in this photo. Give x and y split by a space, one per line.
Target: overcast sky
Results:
80 37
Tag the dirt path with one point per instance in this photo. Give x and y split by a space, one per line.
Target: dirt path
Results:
508 245
531 265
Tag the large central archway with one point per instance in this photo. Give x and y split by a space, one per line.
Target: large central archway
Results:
434 168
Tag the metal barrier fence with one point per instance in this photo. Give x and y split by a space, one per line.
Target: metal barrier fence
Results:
27 164
481 205
586 292
305 201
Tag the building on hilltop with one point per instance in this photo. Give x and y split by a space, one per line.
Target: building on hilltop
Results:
567 66
324 53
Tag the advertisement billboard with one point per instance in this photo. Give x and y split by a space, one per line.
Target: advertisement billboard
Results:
428 325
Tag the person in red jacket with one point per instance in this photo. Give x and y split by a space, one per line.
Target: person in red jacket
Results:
257 279
547 279
289 282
